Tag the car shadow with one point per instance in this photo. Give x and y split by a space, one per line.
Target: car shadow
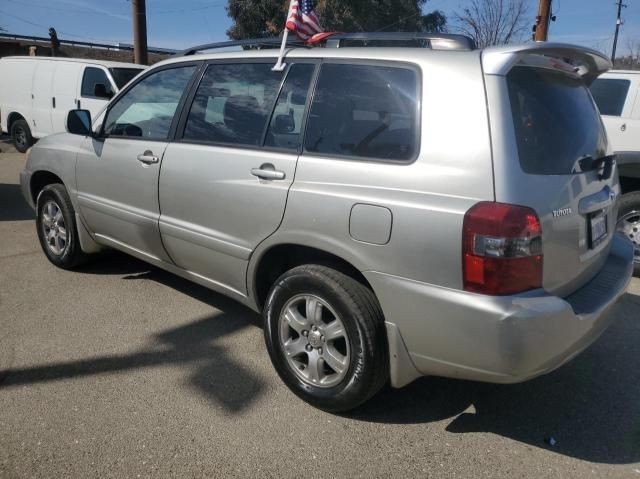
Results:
588 409
13 206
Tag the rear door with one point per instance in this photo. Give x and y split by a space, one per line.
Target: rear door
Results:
65 93
42 98
224 183
546 157
615 95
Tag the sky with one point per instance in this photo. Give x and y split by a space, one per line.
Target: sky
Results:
183 23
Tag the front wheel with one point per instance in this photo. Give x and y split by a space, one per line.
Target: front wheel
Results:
629 224
57 231
326 337
21 134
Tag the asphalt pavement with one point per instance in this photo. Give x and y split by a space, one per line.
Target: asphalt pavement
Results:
123 370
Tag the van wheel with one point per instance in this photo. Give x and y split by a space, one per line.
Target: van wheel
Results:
21 134
56 225
326 337
629 224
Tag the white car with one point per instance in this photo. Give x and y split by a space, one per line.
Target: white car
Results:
617 94
36 93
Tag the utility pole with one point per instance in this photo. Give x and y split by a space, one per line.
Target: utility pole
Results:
618 23
139 14
541 28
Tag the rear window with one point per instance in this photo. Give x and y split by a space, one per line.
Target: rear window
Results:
364 111
610 95
555 119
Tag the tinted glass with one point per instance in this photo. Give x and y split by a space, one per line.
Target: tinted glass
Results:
233 104
92 77
364 111
555 119
610 94
286 121
147 109
122 76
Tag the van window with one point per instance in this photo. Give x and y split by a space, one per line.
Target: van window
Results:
122 76
556 121
286 121
233 104
610 95
93 76
147 109
364 111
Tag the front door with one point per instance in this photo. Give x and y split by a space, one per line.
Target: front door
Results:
117 173
224 184
93 99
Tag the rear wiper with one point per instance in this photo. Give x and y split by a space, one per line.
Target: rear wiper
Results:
588 163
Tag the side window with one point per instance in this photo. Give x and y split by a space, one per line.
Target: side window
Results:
364 111
286 121
92 77
233 103
610 95
147 110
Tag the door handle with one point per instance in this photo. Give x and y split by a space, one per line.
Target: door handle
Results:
53 101
148 158
268 172
623 127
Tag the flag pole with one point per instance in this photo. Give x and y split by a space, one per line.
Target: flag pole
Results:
279 66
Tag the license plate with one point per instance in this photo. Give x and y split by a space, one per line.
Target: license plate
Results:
598 229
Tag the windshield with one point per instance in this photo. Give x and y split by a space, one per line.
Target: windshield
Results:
122 76
556 121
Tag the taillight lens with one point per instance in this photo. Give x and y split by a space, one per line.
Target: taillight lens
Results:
501 249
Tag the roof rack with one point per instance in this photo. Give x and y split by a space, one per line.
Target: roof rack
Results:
434 41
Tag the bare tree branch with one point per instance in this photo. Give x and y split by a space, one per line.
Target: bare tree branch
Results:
493 22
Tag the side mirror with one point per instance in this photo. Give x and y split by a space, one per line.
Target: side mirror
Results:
284 124
79 122
100 91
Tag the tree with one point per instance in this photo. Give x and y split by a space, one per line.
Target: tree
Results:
493 22
631 61
266 18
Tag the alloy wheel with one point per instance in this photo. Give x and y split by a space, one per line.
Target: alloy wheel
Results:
54 228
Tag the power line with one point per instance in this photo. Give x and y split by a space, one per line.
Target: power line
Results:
61 32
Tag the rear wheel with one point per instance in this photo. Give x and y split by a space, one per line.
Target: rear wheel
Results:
21 134
629 224
326 337
56 225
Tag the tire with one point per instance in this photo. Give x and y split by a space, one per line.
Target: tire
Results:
629 223
56 220
362 367
21 134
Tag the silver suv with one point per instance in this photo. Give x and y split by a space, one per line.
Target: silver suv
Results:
394 211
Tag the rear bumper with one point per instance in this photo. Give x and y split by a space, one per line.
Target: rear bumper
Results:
498 339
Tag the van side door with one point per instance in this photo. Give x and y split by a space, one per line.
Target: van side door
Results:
65 93
42 98
96 89
224 181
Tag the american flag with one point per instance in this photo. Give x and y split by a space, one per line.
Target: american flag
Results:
303 20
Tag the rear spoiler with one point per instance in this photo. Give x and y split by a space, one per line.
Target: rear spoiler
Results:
587 63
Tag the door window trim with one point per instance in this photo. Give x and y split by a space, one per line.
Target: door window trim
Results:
179 136
179 108
418 119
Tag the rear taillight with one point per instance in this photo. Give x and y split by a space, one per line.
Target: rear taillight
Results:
501 249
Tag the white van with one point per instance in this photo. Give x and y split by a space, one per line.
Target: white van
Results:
36 93
617 94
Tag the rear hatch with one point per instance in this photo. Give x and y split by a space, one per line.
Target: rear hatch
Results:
551 154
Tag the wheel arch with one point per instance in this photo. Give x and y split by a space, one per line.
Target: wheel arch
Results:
268 264
12 118
40 179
